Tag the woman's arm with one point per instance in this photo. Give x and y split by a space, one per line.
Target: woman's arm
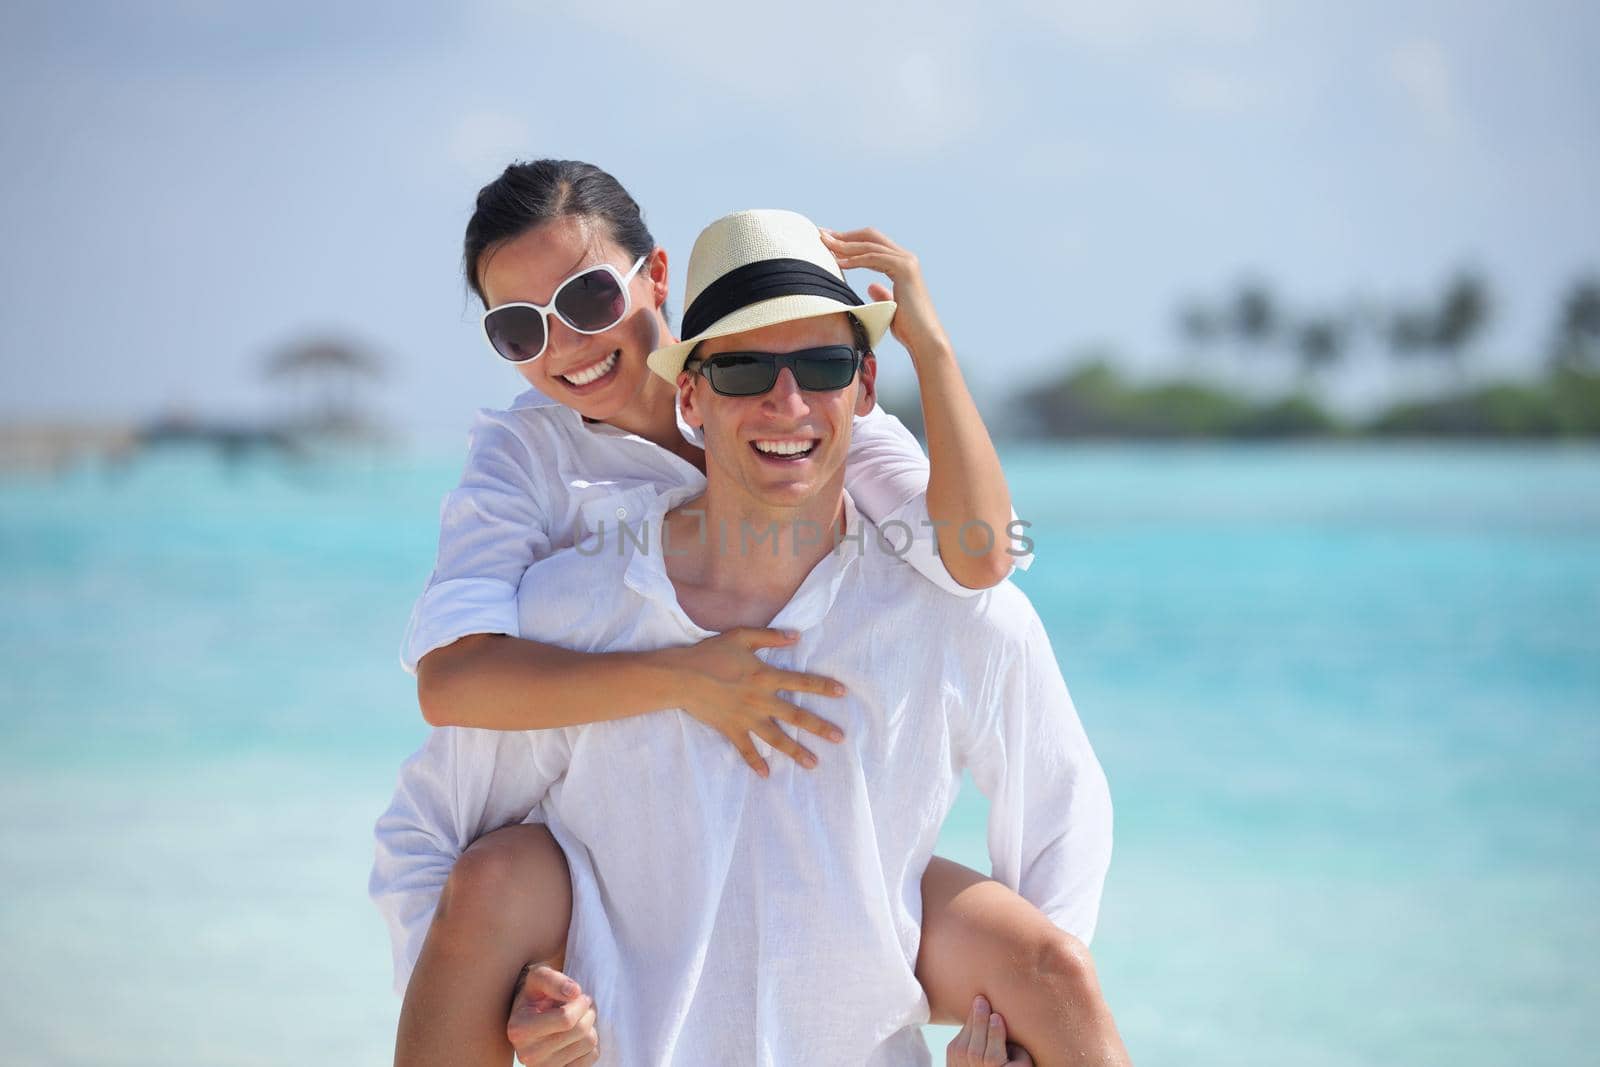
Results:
496 682
966 487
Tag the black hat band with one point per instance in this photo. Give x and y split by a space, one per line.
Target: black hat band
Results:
762 280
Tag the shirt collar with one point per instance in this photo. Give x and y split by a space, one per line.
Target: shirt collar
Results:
646 571
530 398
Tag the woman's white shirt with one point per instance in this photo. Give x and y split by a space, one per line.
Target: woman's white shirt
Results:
539 479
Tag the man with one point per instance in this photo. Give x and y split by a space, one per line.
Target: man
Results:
723 918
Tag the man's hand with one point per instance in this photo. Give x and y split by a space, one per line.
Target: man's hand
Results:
982 1042
915 325
552 1022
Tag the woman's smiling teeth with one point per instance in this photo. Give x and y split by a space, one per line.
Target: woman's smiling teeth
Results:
785 449
594 371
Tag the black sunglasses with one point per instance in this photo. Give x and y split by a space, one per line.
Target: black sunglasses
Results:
817 370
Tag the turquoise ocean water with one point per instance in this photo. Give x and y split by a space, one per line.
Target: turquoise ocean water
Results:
1348 699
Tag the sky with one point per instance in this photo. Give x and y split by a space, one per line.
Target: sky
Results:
190 186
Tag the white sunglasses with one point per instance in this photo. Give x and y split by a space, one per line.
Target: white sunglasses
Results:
591 301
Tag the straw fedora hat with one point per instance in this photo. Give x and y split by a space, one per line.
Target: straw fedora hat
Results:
759 268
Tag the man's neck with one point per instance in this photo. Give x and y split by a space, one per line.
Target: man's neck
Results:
734 561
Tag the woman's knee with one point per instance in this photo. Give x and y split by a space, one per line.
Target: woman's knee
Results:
1058 959
981 936
508 883
1032 957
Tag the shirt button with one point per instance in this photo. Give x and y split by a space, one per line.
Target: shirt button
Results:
622 513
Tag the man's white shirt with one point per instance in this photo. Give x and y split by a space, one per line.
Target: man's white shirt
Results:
719 917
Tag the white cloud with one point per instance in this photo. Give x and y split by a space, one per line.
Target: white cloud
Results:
1422 72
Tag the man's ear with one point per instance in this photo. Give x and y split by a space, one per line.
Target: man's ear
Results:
686 399
867 387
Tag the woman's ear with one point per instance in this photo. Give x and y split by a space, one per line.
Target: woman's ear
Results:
659 280
867 390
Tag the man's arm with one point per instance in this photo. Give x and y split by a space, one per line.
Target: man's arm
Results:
1050 808
461 784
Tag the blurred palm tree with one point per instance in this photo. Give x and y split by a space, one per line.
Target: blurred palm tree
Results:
1445 332
1199 327
1463 315
1320 342
1577 340
1409 331
1254 315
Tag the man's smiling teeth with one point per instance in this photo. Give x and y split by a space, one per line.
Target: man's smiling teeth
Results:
784 448
595 372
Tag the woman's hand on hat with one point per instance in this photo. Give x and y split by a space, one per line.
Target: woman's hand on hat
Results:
915 324
730 689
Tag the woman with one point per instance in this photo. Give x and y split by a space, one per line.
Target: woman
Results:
575 286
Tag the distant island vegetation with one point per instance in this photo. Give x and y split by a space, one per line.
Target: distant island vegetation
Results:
1092 398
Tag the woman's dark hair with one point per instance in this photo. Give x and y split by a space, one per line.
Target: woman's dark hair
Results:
531 193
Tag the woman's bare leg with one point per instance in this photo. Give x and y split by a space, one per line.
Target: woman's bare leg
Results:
980 937
507 903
